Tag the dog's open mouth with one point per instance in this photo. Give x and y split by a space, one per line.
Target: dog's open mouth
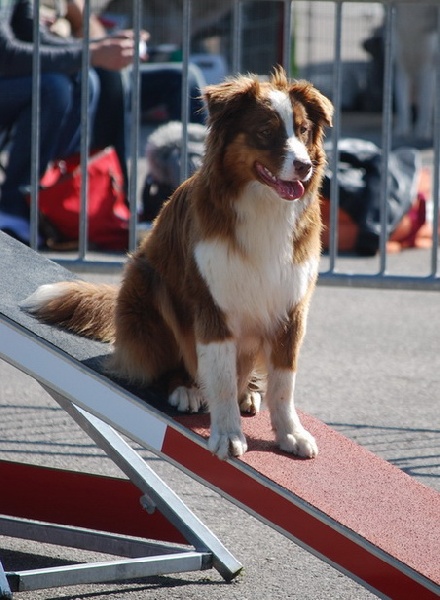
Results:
288 190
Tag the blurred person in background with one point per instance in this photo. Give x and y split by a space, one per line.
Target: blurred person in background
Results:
60 99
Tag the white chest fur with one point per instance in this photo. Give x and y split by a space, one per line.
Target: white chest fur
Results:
258 284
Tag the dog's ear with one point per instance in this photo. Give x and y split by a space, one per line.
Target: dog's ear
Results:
319 108
227 97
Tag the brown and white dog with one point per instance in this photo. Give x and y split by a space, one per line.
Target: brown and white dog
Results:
224 280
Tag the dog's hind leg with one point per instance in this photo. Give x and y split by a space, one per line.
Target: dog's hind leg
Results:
187 399
143 353
145 347
183 392
250 384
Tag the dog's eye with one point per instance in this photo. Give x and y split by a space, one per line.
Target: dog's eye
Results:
304 129
265 133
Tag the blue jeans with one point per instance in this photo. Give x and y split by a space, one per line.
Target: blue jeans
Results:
60 128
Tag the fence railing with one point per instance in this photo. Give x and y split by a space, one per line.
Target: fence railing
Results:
382 275
292 18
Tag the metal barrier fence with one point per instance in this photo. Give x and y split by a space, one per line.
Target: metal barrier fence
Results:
298 47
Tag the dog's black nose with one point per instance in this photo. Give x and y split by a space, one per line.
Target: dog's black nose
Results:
302 168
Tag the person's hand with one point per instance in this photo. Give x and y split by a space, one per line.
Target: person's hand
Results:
115 52
112 53
144 36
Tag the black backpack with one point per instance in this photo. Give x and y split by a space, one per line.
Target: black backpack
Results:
359 179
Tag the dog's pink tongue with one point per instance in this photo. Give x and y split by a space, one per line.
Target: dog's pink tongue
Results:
289 190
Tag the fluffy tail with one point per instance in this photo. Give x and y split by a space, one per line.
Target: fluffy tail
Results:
83 308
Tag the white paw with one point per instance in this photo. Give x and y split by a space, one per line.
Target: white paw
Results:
225 444
250 403
301 443
187 399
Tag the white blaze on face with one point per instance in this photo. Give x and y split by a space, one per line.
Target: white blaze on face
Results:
296 150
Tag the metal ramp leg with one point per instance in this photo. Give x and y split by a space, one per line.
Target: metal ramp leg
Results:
146 558
169 504
5 589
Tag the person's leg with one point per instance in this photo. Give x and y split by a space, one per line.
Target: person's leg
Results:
69 141
110 119
16 108
60 113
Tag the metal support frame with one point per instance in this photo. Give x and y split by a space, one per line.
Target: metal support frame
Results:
143 558
99 572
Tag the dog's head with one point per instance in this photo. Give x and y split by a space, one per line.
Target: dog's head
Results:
268 131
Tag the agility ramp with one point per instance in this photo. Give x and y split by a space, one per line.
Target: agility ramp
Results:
348 507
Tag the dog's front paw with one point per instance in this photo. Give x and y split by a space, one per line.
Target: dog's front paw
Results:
187 399
225 444
301 443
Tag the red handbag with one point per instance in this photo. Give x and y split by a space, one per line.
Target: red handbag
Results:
107 212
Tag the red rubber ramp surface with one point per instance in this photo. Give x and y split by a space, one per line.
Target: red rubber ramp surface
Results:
348 506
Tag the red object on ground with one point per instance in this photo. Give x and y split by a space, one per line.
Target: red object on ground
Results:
80 500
